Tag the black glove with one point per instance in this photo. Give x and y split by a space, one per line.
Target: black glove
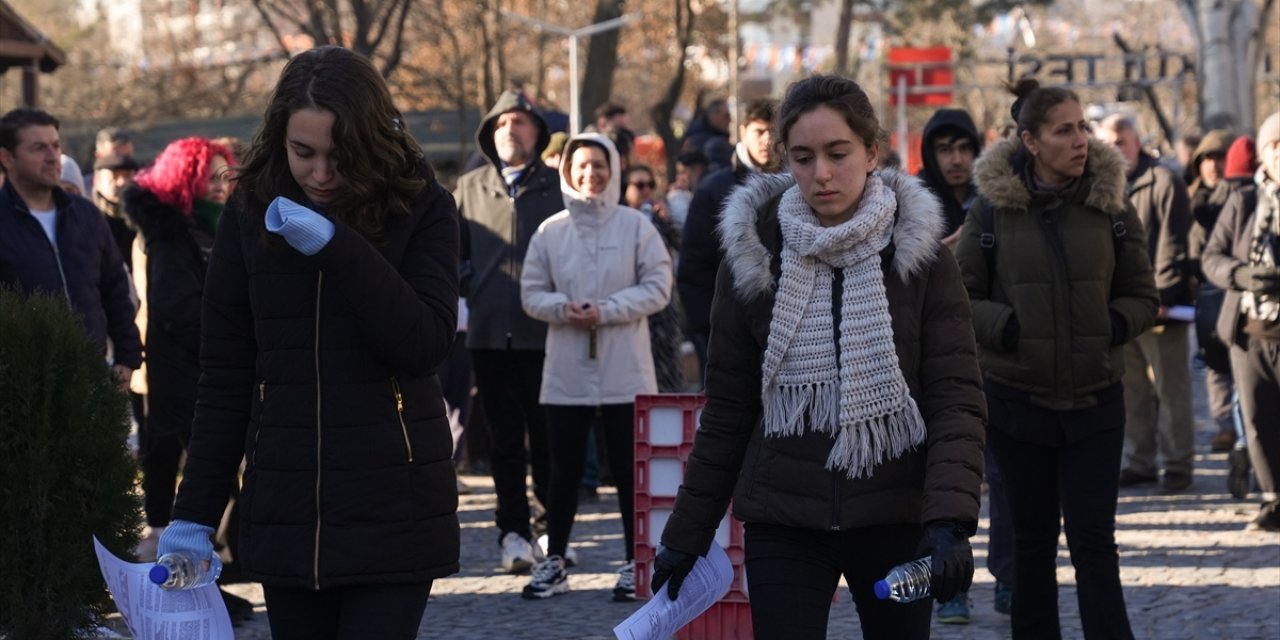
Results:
1255 278
1118 327
673 566
951 558
1012 331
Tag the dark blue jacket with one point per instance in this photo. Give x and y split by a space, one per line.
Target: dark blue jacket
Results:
85 268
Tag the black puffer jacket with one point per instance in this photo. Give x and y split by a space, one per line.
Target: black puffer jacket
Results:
320 370
177 252
85 268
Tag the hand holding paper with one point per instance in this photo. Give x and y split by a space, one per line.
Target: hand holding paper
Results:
705 583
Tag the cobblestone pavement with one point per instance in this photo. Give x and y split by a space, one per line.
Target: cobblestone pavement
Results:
1189 570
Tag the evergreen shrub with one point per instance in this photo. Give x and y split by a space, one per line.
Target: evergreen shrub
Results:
65 472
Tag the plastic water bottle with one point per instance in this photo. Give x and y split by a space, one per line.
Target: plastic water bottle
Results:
906 582
176 571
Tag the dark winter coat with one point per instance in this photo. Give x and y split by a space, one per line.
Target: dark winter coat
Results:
950 122
496 230
177 252
1228 248
1160 198
320 371
85 268
1074 298
700 251
784 480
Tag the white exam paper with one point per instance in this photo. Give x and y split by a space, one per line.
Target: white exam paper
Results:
153 613
661 617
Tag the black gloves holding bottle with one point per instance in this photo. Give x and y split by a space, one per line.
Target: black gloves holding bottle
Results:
671 567
951 558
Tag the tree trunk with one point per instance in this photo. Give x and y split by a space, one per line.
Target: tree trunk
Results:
602 59
661 112
843 27
1224 32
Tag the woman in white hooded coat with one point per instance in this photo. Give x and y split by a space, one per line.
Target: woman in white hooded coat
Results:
594 272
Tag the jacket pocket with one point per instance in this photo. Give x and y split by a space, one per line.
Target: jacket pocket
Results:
404 429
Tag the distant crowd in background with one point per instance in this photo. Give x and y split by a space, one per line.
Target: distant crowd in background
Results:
1097 278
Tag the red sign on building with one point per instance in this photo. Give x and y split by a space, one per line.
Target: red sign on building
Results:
921 68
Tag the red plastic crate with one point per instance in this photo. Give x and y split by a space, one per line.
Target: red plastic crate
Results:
723 621
665 424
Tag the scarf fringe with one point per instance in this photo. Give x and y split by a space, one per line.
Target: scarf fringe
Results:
861 446
858 447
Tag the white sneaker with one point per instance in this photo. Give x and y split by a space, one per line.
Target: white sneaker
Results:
570 555
146 549
549 579
518 555
625 589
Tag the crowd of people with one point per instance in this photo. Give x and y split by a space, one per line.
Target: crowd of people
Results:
317 311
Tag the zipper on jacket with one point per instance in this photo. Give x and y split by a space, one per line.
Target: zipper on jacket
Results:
511 261
395 388
837 299
1064 345
257 432
315 566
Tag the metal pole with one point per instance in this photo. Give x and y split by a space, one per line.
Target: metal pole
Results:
902 120
574 113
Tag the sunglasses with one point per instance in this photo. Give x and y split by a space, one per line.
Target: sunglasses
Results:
644 185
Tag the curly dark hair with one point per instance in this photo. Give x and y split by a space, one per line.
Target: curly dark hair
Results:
382 165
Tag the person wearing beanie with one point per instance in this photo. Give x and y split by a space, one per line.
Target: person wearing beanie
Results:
1243 257
1241 162
71 181
1209 191
551 155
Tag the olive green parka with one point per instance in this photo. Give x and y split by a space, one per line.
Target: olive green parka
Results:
1075 296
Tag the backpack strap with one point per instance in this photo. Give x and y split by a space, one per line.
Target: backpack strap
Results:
987 241
1118 230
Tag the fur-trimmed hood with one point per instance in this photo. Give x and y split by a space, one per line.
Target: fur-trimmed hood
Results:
917 230
154 219
1000 183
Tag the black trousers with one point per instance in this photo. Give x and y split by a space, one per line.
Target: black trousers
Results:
159 456
375 612
508 382
792 575
1257 375
1075 482
568 429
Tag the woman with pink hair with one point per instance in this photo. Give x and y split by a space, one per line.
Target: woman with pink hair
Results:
175 205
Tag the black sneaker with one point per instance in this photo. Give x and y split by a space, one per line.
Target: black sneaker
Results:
549 579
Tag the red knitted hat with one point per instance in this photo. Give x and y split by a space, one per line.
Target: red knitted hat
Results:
1242 159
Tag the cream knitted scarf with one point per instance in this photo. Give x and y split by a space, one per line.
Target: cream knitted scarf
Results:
855 393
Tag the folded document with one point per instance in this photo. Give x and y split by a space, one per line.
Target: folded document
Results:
662 617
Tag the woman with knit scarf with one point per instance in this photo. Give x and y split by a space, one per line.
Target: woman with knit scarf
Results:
844 409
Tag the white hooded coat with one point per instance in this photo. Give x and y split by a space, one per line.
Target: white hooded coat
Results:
600 252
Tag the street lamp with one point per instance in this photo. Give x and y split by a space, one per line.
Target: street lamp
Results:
573 35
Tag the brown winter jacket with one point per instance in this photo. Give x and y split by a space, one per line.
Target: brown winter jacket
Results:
1160 198
784 480
1076 298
